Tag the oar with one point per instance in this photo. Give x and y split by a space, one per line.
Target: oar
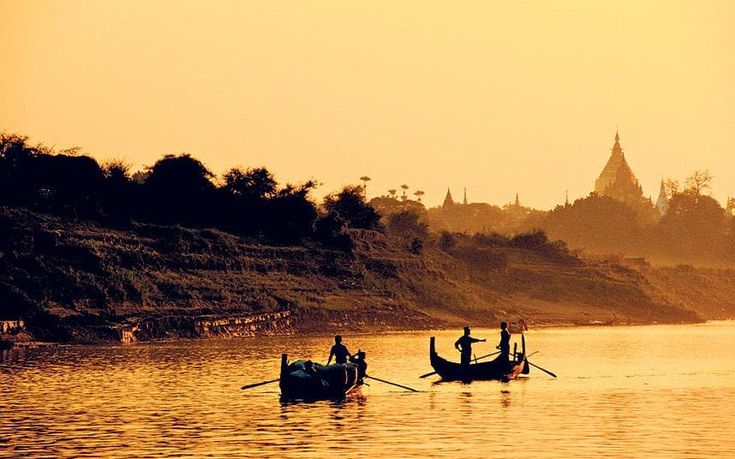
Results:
476 359
542 369
391 383
250 386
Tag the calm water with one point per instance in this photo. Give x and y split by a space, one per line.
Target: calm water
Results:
663 391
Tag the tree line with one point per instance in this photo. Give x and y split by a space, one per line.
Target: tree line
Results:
177 189
695 227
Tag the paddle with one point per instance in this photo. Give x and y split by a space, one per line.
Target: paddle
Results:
250 386
542 369
391 383
476 359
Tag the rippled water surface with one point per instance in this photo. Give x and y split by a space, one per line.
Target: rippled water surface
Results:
664 391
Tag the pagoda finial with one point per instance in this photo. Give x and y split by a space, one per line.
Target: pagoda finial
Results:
616 149
566 199
518 201
464 201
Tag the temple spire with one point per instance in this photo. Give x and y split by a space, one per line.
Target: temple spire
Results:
448 201
617 149
464 201
518 201
566 198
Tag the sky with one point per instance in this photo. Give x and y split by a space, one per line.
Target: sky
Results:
497 97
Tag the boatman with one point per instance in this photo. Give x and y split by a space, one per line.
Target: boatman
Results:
339 351
504 344
464 346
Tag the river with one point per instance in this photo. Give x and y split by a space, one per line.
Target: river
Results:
644 391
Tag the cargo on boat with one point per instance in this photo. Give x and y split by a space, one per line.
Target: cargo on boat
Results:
306 380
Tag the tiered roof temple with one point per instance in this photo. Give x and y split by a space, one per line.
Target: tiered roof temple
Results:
617 179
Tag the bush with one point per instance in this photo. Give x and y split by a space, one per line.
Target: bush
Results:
407 224
349 204
446 241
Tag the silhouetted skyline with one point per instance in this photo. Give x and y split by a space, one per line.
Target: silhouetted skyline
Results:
498 98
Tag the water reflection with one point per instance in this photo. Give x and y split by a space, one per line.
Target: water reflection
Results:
183 399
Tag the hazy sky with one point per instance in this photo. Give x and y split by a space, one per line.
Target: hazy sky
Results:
495 96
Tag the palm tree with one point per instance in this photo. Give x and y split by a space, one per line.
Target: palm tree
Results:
365 179
418 194
403 196
392 193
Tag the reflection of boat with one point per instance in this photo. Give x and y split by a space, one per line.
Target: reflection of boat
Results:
305 380
500 368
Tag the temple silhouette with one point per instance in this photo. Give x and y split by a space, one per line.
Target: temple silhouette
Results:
618 181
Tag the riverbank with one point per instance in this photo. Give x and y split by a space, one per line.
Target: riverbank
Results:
78 282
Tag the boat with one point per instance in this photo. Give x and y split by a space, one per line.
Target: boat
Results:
500 368
306 380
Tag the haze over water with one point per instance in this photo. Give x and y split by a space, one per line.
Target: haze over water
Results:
653 391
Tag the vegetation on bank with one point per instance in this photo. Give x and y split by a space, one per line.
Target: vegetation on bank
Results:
695 229
88 250
176 190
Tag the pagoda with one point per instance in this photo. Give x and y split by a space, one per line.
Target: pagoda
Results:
617 179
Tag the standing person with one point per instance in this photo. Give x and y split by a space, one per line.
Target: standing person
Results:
464 346
359 360
504 344
339 351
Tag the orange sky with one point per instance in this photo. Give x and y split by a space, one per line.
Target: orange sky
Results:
495 96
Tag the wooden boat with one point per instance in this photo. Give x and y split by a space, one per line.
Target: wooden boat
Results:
306 380
500 368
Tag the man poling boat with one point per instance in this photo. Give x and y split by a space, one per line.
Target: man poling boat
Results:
503 367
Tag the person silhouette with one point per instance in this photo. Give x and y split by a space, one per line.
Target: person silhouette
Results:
339 351
464 346
359 360
504 344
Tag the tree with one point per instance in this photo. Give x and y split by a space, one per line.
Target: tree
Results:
596 223
290 215
349 204
119 190
179 190
365 179
672 187
250 184
392 193
330 230
699 182
404 196
694 226
418 194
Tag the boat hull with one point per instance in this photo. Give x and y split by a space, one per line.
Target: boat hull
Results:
498 369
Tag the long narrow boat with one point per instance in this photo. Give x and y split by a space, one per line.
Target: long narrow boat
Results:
500 368
305 380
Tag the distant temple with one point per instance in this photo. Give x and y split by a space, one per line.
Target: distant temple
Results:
617 179
662 203
448 201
